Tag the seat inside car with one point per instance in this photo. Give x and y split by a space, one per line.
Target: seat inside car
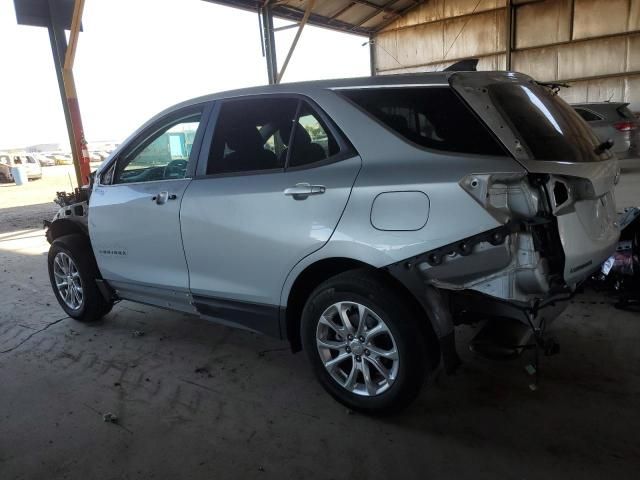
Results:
304 150
248 150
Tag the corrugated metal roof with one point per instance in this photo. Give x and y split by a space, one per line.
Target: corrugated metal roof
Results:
362 17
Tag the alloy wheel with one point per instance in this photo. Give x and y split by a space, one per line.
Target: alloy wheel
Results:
68 282
357 348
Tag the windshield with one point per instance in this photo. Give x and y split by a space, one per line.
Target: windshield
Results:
549 128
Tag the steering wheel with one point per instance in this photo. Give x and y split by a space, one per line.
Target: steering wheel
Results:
175 169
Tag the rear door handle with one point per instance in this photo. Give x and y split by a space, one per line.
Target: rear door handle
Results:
302 190
162 197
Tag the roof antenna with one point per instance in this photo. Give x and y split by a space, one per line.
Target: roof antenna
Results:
467 65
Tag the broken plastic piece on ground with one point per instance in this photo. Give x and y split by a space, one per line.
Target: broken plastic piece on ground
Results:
110 417
530 369
138 333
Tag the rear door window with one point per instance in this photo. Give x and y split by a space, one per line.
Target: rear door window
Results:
251 135
311 139
431 117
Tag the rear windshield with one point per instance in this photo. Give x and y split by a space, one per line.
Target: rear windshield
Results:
550 129
431 117
626 113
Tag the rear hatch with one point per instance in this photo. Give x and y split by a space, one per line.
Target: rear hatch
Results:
549 138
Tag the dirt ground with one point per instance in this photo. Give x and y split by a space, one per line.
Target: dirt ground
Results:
197 400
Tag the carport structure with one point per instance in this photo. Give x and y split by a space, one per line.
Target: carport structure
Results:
553 40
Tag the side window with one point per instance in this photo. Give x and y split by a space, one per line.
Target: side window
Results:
587 115
163 156
17 161
4 159
312 141
30 159
251 135
432 117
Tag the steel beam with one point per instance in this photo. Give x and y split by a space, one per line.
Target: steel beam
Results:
295 39
63 56
269 41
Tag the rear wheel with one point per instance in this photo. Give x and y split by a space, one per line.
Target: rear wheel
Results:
365 346
73 273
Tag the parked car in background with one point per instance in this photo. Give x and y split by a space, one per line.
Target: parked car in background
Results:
44 160
32 166
63 159
359 219
614 121
95 157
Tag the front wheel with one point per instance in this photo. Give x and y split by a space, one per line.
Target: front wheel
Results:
73 273
365 345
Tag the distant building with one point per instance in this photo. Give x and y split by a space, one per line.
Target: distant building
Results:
43 147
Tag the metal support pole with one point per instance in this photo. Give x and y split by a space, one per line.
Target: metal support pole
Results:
372 56
307 12
63 61
269 43
509 34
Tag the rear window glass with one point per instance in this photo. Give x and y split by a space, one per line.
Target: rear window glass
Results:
434 118
588 115
626 113
549 127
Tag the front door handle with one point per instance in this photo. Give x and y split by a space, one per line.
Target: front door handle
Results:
162 197
302 190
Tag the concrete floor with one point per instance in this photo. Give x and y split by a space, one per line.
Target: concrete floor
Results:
198 400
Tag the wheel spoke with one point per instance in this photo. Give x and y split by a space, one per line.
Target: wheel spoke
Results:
334 362
333 345
76 296
379 352
350 384
344 316
368 381
379 367
362 315
377 330
324 320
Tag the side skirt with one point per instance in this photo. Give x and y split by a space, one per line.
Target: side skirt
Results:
255 317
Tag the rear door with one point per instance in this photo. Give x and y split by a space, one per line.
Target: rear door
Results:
270 190
548 137
134 211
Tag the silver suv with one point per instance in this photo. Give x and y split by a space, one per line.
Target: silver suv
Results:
359 219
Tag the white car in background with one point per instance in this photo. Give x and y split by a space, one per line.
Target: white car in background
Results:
32 166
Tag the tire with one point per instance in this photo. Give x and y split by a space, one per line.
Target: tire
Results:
369 292
83 271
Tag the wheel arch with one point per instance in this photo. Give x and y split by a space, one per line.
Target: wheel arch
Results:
321 270
64 226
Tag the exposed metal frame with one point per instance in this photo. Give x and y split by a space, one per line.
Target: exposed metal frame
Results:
288 12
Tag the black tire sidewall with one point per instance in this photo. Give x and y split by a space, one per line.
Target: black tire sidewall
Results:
399 320
78 248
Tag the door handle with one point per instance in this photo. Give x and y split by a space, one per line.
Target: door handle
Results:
162 197
302 190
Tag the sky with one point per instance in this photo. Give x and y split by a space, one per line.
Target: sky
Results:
137 57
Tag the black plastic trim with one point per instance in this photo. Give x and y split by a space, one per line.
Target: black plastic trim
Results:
257 317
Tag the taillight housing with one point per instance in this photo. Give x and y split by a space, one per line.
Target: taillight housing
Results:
625 126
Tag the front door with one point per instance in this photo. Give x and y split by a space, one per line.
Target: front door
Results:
134 212
271 194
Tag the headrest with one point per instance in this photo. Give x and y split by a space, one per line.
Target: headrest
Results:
243 137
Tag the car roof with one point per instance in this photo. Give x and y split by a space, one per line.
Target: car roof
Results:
307 87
